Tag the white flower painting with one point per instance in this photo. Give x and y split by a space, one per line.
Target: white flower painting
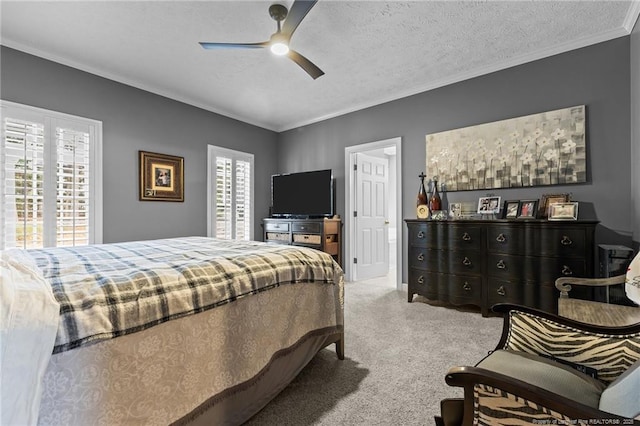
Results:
548 148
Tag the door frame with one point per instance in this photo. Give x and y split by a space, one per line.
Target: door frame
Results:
350 205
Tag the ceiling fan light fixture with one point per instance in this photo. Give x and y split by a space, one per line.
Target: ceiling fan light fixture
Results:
279 48
287 20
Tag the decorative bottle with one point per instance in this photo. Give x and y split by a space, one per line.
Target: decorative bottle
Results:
434 202
422 202
422 193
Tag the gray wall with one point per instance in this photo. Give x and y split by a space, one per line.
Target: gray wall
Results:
635 132
135 120
597 76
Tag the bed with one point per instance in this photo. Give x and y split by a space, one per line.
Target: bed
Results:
178 331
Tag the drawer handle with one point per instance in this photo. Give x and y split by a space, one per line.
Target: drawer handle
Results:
466 261
466 237
420 279
420 234
566 241
501 238
501 264
566 270
421 257
466 286
501 291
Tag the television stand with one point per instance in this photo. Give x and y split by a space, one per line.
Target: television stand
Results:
321 234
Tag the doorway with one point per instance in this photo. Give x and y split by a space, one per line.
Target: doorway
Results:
373 211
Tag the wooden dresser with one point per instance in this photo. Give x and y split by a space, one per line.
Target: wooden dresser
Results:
320 234
484 262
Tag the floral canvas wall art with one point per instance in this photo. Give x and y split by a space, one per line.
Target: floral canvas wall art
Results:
547 148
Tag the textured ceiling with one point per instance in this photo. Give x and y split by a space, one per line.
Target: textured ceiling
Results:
371 51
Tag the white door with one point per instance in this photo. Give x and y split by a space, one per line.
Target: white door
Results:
371 221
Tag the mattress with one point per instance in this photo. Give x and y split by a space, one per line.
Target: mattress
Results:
177 370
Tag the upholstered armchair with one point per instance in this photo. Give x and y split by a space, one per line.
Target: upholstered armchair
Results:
597 312
548 369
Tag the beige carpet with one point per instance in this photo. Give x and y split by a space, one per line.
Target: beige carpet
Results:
396 356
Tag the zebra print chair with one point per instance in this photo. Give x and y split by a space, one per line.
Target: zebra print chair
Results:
541 373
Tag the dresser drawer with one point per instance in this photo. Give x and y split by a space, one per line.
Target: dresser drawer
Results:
423 283
464 237
541 269
503 291
446 261
442 235
276 226
418 234
456 289
527 293
307 227
506 239
462 262
424 258
505 266
562 242
554 268
465 289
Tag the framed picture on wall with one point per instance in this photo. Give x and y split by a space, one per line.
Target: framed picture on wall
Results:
161 177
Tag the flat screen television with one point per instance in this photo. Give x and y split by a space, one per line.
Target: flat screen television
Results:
302 195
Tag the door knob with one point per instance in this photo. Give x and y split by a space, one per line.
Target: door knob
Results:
386 221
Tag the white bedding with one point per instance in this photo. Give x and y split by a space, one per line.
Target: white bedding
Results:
29 317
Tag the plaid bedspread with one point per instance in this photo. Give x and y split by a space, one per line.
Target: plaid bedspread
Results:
109 290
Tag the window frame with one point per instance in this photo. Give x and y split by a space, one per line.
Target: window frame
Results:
49 119
212 153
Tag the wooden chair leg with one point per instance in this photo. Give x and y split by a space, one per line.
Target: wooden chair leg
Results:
340 348
451 412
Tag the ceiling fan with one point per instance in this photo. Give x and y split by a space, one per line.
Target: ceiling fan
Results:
279 41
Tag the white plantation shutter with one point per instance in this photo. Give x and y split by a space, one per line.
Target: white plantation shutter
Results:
231 194
22 184
224 197
50 191
243 200
72 202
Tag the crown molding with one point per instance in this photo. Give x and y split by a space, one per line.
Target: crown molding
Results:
130 82
478 72
631 19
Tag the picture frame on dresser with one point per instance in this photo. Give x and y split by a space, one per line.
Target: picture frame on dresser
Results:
547 199
455 211
510 210
563 211
489 205
527 209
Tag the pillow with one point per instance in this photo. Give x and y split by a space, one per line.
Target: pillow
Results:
632 281
622 397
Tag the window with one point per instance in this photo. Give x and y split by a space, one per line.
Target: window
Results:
50 180
230 189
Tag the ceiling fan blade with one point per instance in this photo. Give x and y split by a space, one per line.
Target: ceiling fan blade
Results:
234 45
297 12
305 64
